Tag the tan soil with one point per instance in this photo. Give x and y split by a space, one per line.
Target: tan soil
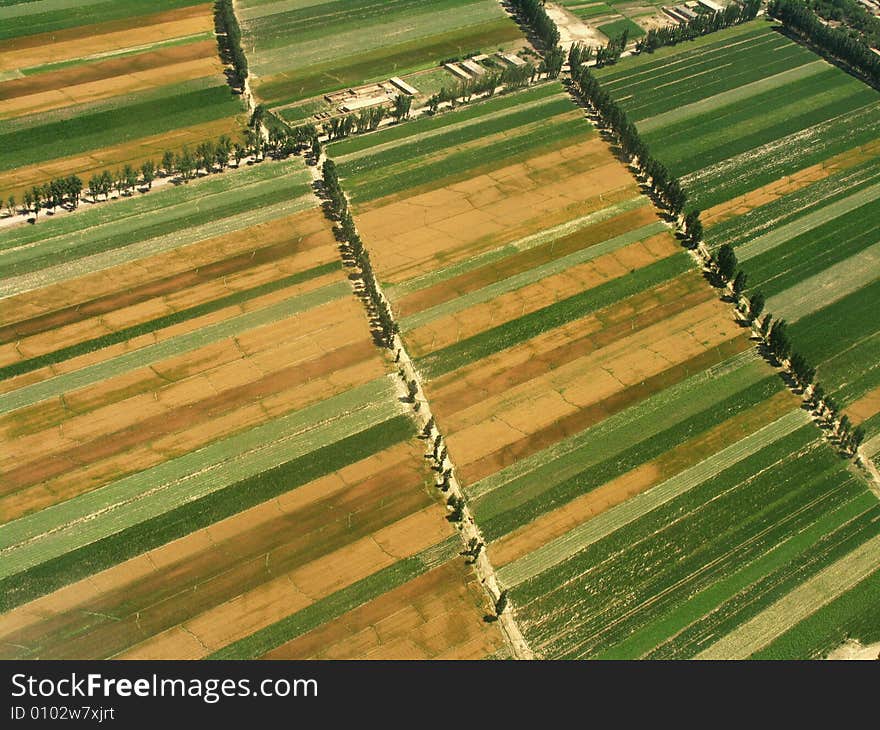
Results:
789 184
87 40
865 407
475 432
235 556
853 650
419 232
148 423
44 101
445 331
437 614
460 285
590 415
557 522
281 596
497 373
283 329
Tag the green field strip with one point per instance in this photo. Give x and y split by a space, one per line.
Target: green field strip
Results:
116 507
555 315
843 325
604 524
564 459
621 583
430 127
149 354
825 549
36 18
814 252
753 126
798 605
773 160
616 28
147 248
372 400
300 38
132 212
394 159
153 325
378 64
464 143
700 48
743 539
712 103
478 110
74 112
548 235
75 135
196 513
739 230
804 224
655 639
465 163
532 276
129 212
852 615
207 210
503 512
118 53
685 83
825 288
340 602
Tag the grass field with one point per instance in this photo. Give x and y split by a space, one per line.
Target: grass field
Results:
297 52
207 455
782 152
105 86
633 465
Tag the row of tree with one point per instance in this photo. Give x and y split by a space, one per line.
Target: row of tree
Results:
229 37
723 263
387 327
367 119
535 15
665 186
837 42
207 157
701 25
852 14
775 337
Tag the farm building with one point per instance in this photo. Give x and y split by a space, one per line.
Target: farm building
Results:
474 68
403 86
457 70
712 5
511 59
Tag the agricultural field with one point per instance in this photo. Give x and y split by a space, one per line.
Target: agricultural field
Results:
781 152
644 481
300 50
106 85
204 452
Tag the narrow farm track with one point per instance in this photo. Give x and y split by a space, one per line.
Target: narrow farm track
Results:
468 530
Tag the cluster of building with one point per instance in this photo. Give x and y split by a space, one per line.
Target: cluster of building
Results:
689 10
470 68
361 97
